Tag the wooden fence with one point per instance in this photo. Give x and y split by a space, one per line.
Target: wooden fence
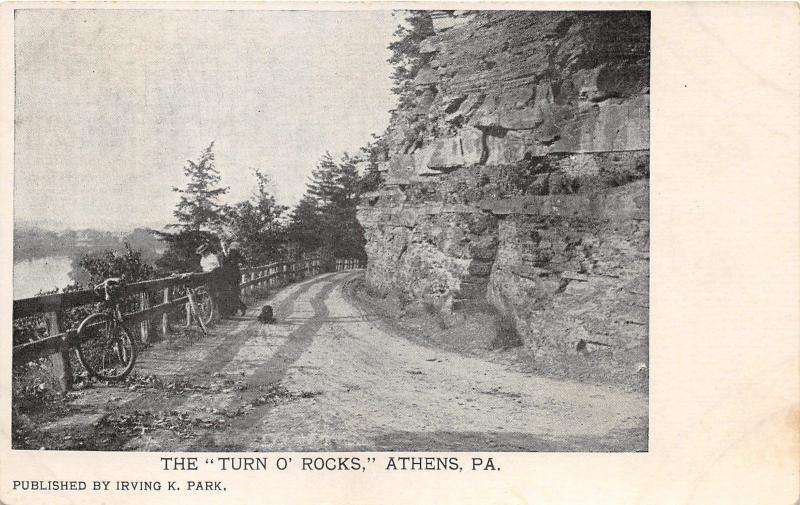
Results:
348 264
59 341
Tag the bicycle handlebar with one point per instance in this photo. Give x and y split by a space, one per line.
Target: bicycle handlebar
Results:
109 286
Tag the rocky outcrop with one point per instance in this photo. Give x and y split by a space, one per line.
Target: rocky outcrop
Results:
519 176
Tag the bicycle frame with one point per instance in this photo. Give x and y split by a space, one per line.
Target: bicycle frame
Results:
195 314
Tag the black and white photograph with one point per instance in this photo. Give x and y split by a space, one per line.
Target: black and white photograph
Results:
341 230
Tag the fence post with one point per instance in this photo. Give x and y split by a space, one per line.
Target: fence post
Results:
62 368
144 326
165 315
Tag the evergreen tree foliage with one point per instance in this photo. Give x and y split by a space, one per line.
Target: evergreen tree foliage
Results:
406 57
373 154
325 218
180 255
305 230
258 224
199 214
199 207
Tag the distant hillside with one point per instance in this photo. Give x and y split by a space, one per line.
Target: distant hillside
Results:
31 241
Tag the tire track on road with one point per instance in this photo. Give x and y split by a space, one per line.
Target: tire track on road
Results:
218 358
272 372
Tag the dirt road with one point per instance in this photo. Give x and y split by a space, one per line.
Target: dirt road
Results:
328 377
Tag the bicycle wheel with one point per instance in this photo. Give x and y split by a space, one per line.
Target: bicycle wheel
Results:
204 305
105 347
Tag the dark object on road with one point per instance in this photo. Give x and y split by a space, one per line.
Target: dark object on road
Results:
582 344
266 316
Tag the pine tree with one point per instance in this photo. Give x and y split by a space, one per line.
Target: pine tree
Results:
200 217
257 224
406 57
199 207
325 219
323 184
305 225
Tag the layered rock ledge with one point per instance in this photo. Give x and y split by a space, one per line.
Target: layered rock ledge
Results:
519 178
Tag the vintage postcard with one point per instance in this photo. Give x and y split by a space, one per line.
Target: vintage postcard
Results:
400 253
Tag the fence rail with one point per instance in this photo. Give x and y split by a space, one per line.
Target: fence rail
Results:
348 264
59 341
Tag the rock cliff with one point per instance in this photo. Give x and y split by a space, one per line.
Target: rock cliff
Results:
518 177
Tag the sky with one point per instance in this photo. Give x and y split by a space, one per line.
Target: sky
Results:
111 103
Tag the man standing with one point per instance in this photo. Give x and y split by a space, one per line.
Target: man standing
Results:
233 278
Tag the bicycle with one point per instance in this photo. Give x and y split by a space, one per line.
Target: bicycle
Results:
201 305
105 347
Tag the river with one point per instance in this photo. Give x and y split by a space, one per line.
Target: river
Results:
34 275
